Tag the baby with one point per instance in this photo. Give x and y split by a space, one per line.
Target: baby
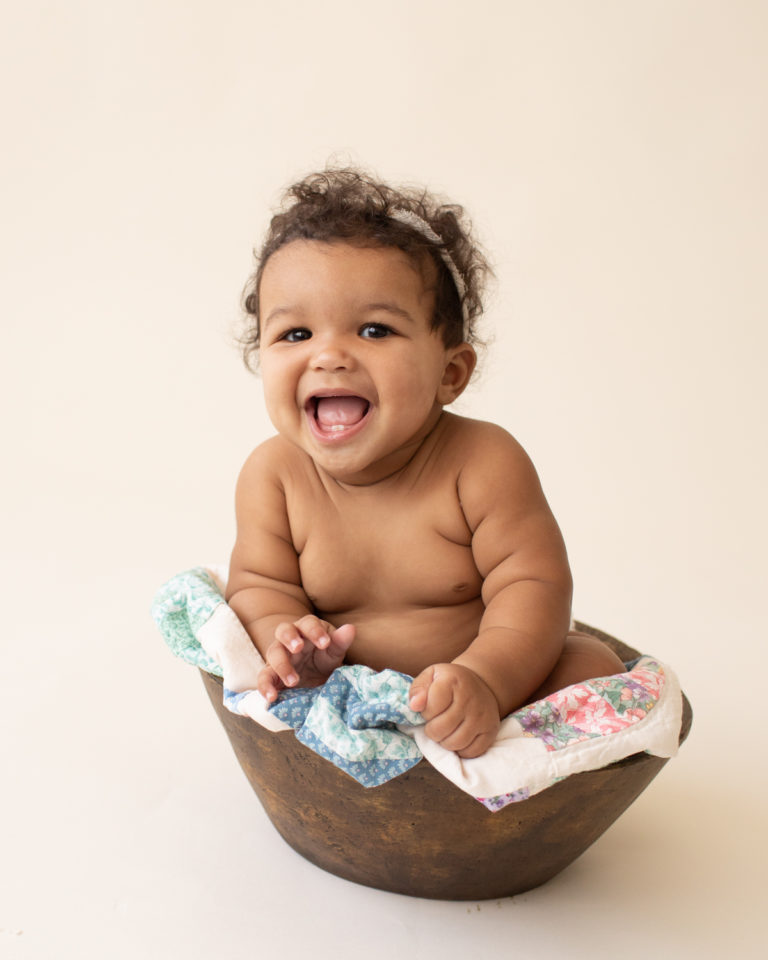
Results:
376 527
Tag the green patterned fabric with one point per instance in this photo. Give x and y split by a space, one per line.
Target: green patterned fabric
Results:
180 608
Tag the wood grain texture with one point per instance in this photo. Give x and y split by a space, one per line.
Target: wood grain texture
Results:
419 834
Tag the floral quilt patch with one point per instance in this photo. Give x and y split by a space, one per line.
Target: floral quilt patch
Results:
594 708
586 711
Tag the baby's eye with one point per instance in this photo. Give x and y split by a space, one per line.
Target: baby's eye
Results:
375 331
296 335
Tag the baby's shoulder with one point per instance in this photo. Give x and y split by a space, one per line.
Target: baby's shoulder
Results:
471 439
269 452
268 482
488 458
275 460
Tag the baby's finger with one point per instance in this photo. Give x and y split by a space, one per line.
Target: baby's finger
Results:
444 727
478 746
267 684
328 659
279 659
440 694
419 692
314 630
472 737
290 637
342 637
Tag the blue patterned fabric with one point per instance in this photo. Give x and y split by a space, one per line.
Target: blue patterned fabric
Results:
350 720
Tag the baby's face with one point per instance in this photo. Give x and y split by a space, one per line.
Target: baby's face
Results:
352 372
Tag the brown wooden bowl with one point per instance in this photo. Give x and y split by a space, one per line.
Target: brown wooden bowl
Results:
419 834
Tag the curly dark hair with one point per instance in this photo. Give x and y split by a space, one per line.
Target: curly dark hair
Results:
347 205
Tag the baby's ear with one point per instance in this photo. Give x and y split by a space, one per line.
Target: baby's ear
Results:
459 364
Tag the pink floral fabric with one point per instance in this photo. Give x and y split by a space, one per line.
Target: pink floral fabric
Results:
584 711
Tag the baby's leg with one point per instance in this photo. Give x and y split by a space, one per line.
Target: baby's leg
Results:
583 658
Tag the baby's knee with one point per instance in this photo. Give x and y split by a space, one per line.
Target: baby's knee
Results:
589 657
583 658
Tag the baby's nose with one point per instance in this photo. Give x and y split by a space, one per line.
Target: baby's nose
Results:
331 355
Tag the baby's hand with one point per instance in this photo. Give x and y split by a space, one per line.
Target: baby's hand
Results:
461 710
304 653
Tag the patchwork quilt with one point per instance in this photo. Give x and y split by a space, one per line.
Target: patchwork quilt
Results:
359 718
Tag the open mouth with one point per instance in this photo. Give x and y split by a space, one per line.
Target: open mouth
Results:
337 416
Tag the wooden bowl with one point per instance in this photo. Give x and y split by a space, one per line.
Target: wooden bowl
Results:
419 834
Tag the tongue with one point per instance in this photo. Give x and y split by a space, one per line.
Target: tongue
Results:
335 411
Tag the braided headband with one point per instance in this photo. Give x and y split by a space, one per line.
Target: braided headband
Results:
413 220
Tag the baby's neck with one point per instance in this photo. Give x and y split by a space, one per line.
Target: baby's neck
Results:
393 467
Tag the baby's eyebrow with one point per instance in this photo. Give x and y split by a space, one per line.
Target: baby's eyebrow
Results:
388 307
277 313
378 306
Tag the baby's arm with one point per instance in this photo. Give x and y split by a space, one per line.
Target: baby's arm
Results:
264 586
519 551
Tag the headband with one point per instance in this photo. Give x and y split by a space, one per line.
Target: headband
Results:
413 220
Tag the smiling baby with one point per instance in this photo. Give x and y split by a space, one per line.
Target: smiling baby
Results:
376 527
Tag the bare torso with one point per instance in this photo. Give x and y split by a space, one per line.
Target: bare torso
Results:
451 569
394 559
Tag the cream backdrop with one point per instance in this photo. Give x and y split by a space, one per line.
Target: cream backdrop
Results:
613 156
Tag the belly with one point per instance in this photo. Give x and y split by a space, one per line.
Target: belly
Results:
410 640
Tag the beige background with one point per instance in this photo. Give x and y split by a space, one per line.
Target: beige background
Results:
613 156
